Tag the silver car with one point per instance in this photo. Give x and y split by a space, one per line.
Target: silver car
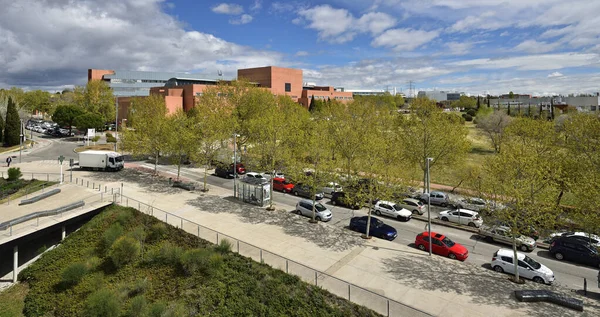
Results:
437 198
415 206
305 208
331 188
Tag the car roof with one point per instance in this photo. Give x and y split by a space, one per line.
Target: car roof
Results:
574 240
385 202
433 234
411 200
510 253
309 201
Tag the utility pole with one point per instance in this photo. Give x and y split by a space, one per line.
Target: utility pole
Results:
429 159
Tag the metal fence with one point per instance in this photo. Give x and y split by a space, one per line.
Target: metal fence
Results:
341 288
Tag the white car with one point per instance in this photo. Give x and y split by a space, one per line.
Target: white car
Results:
583 236
391 209
267 175
502 262
463 217
305 208
255 175
470 203
331 188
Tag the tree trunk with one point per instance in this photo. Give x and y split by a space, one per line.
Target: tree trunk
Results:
205 172
559 198
515 260
156 163
370 208
457 186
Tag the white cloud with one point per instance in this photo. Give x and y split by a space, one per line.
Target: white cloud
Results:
99 35
340 26
242 19
533 46
533 62
404 39
555 74
301 53
505 33
228 8
256 6
459 48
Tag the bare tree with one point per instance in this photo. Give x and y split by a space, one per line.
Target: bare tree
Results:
494 125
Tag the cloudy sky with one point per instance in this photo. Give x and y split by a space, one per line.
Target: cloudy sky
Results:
475 46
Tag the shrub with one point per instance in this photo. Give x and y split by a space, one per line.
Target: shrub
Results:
175 310
93 263
138 287
109 135
202 261
138 306
96 138
157 231
102 303
14 173
111 235
123 251
224 246
111 139
472 112
167 253
125 217
157 309
467 117
73 274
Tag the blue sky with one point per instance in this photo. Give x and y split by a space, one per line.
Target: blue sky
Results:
476 46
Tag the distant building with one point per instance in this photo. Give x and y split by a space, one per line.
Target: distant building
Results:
374 92
439 95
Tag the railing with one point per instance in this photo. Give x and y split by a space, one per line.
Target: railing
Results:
354 293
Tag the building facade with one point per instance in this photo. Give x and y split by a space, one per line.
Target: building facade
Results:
439 95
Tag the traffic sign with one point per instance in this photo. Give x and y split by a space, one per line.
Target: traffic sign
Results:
61 159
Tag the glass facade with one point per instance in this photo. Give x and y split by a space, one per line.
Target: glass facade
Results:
138 83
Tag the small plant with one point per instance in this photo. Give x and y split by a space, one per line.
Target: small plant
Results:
73 274
109 135
111 235
102 303
14 173
472 112
157 309
92 263
168 254
123 251
157 231
138 306
202 261
111 139
139 287
42 249
224 246
96 138
125 217
467 117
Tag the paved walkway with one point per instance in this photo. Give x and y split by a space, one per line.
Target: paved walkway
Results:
436 285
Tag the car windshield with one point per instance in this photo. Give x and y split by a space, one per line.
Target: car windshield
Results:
532 262
448 242
320 207
397 207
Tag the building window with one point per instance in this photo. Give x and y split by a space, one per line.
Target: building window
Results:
288 87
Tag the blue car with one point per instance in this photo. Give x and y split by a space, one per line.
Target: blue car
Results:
377 229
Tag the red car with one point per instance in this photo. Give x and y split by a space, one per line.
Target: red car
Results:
282 185
442 245
240 168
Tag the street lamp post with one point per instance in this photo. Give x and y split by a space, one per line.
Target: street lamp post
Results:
429 205
20 139
116 121
235 135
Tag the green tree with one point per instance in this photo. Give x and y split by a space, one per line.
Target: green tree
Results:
488 101
12 128
518 177
36 100
511 95
182 140
311 107
149 133
96 97
88 121
478 102
464 103
2 122
65 115
430 133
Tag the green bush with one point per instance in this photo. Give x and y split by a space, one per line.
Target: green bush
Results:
102 303
467 117
111 139
109 135
96 138
14 173
124 250
224 246
157 309
92 263
138 306
202 261
175 310
157 231
139 287
111 235
125 217
472 112
167 253
73 274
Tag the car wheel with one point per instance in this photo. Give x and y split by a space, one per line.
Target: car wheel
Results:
498 269
415 212
559 256
421 247
318 218
299 212
444 219
524 248
452 256
471 224
378 213
538 279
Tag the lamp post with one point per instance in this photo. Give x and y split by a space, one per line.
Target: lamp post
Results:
20 139
429 159
116 120
235 135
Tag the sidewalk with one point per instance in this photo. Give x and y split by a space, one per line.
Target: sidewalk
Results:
436 285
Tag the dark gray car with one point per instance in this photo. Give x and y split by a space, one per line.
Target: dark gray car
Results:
304 191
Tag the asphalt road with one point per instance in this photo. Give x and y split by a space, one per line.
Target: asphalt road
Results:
480 251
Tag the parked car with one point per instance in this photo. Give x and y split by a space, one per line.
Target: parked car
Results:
255 175
415 206
471 203
527 230
390 209
583 236
305 191
225 172
340 199
305 208
436 198
463 217
376 229
441 245
240 169
503 262
331 187
267 175
575 250
502 234
282 185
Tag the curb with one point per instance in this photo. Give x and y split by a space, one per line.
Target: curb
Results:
465 228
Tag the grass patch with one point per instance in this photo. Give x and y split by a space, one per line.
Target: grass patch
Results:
12 300
98 147
174 274
15 147
21 188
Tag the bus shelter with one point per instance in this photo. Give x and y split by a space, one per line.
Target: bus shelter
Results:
254 191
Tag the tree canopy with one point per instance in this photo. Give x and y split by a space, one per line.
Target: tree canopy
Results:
12 128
